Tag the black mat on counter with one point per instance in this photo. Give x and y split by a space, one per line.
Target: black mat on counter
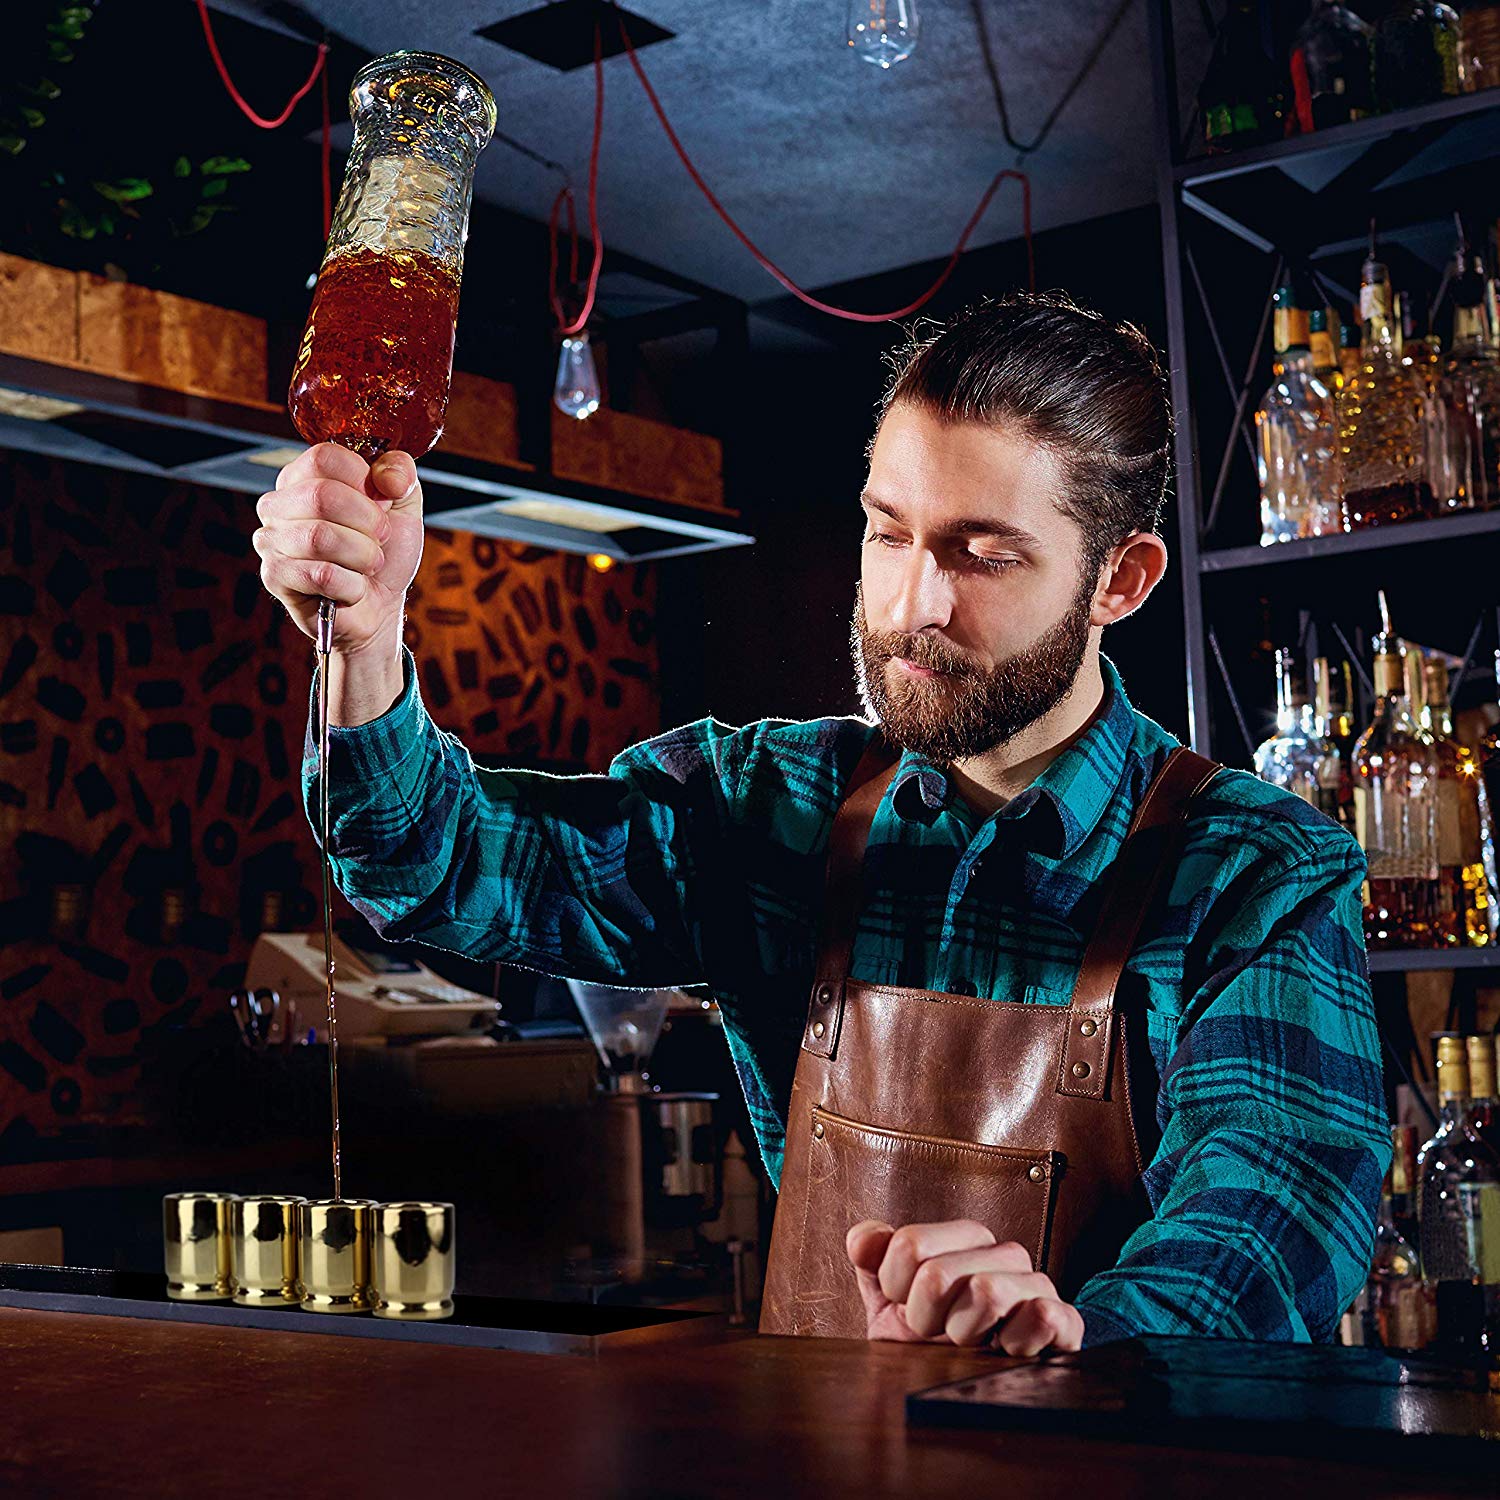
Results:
1308 1399
477 1322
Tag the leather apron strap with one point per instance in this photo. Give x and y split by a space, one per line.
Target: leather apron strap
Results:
1148 850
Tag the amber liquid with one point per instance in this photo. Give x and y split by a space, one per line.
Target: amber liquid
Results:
372 374
376 357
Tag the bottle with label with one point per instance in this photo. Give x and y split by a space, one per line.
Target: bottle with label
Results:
1382 427
1242 100
1348 353
1472 386
1297 437
1395 807
1416 54
1296 756
1479 1186
1325 357
1461 902
1333 719
1478 45
1398 1302
1443 1227
1333 79
1488 756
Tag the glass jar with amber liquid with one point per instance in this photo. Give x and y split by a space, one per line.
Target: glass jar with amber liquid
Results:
1461 904
376 358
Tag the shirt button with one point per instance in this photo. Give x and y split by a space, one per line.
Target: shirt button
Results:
964 987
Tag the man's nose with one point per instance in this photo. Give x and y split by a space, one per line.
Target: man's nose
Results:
923 596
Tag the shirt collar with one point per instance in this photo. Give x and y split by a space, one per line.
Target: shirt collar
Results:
1073 790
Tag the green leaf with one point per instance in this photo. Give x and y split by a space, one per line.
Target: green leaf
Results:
215 187
43 88
126 190
12 145
59 52
107 223
219 166
182 167
200 219
33 117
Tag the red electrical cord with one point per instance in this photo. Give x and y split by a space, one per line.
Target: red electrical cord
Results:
781 276
565 196
319 71
235 94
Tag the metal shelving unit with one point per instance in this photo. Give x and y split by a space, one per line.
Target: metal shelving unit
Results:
1310 200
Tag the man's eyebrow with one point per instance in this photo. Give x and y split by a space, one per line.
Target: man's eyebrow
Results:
971 526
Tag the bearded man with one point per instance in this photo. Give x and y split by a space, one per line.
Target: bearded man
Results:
1050 1031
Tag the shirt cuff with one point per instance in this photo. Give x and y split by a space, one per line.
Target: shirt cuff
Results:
375 749
1100 1327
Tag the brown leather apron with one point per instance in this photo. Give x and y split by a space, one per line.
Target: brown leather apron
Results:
911 1106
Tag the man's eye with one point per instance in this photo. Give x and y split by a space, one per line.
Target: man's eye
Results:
886 538
994 564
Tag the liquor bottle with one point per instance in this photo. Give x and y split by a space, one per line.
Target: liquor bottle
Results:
1442 1164
1296 756
1395 807
1333 78
1479 1186
1333 721
1442 440
1398 1302
1348 353
1242 100
1461 904
1382 433
1416 54
1488 756
1478 45
1296 428
1472 385
1325 359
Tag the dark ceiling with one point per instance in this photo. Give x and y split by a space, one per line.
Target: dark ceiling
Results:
836 168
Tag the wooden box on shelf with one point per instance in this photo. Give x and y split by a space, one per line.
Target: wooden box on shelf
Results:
38 310
620 451
481 420
137 333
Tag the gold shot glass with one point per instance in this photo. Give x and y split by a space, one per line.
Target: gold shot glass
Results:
195 1231
264 1242
412 1263
335 1250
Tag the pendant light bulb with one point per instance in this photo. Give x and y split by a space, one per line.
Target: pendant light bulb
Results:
576 393
883 32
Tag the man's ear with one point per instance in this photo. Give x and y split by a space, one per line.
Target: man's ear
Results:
1130 572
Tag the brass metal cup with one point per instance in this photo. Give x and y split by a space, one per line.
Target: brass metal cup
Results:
195 1231
264 1243
412 1262
335 1250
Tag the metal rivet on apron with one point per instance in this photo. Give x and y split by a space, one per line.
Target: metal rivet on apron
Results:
1080 1070
1087 1028
817 1028
818 1130
1037 1174
825 995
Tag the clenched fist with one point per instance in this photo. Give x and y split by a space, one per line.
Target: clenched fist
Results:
951 1283
335 527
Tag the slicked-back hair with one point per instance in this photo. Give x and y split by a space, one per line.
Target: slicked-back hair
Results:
1094 392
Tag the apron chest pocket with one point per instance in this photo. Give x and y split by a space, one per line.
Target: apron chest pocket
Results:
858 1171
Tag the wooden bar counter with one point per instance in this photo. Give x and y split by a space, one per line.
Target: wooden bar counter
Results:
120 1407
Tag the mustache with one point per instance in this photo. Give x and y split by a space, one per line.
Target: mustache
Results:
920 650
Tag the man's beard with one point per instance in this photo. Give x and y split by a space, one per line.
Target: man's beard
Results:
970 710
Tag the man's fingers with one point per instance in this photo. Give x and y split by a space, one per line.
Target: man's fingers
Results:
1045 1323
323 580
325 461
319 541
939 1281
866 1243
984 1299
914 1243
327 500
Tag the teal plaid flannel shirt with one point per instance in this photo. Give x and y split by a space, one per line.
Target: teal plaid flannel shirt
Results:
700 858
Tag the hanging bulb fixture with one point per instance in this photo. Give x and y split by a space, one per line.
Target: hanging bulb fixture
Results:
576 393
883 32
